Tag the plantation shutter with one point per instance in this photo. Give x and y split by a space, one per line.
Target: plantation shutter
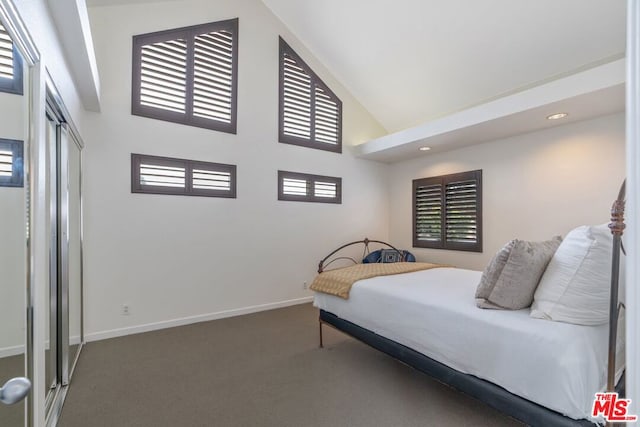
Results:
6 162
304 187
188 75
10 65
448 212
295 187
462 209
11 163
163 76
6 54
310 114
213 76
327 190
165 175
428 207
326 118
296 121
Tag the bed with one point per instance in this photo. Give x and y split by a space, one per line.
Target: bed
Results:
541 372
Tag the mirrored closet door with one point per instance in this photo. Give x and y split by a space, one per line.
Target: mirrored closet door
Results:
14 193
64 297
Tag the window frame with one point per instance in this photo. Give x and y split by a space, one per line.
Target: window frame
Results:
17 153
15 85
311 180
443 180
315 80
189 34
188 165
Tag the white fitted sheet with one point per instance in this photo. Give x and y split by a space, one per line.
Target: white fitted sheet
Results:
557 365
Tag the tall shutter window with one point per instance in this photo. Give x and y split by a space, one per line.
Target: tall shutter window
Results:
304 187
461 222
10 65
428 208
163 75
310 113
213 76
448 212
188 75
296 116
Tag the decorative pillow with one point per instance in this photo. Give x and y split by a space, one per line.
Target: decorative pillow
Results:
521 274
576 286
388 255
491 274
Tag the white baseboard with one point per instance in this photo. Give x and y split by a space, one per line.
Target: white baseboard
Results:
11 351
113 333
19 349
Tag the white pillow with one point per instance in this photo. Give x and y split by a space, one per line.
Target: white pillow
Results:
576 285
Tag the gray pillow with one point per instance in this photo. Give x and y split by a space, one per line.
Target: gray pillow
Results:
521 274
491 274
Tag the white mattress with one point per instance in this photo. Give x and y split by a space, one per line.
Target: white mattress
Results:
557 365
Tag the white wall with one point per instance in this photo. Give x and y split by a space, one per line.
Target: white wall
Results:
535 185
12 239
170 257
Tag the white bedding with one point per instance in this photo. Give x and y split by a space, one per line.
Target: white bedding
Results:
557 365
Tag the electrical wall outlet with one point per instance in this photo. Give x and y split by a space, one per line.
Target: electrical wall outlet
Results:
304 285
126 310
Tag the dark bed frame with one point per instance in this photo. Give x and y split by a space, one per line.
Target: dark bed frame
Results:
493 395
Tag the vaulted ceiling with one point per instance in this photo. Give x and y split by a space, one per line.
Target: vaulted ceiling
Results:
409 61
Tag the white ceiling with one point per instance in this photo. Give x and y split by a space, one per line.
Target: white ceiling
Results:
410 61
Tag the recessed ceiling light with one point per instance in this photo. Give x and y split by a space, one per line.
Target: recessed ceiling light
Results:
557 116
425 148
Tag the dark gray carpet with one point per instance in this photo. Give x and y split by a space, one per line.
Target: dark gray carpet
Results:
263 369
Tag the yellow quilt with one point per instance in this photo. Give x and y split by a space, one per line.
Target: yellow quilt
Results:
338 282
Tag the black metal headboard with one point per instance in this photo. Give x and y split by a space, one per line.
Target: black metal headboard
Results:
324 264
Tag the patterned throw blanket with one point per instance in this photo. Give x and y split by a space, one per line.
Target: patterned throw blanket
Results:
338 282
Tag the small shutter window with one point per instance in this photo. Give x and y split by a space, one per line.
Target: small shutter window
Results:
188 75
163 175
310 113
10 65
302 187
11 163
448 212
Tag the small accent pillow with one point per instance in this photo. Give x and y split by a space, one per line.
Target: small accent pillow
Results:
521 274
491 274
390 255
576 286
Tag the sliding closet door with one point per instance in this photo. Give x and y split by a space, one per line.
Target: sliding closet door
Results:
65 290
74 220
51 340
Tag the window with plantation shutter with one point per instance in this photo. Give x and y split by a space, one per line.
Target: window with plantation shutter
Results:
165 175
10 65
447 212
188 75
310 113
303 187
11 163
